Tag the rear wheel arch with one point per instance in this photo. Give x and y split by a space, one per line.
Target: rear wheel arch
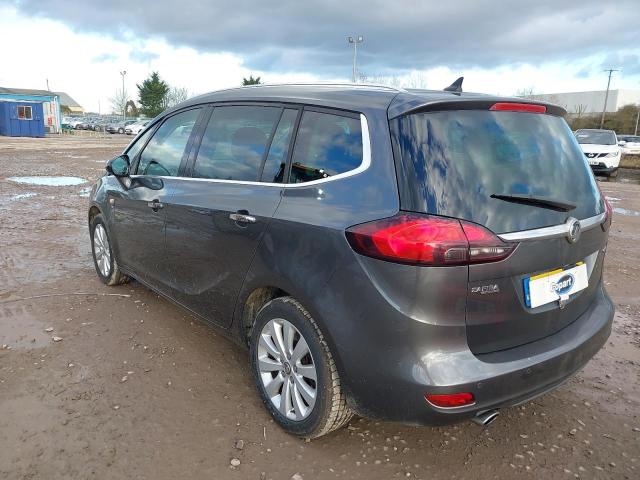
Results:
257 299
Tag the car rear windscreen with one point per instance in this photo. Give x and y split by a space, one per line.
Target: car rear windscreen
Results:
450 163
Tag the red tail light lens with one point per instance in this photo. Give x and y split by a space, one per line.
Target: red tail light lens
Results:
518 107
427 240
451 400
608 209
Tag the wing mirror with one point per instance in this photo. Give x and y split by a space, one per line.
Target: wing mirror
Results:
118 166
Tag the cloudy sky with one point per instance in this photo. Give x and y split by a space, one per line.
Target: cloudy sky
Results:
499 46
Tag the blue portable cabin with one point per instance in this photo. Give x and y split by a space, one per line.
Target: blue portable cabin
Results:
21 119
47 114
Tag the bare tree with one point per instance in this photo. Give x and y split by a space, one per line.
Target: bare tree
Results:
579 110
176 95
119 101
413 80
527 92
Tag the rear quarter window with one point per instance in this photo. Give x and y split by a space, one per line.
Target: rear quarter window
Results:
326 145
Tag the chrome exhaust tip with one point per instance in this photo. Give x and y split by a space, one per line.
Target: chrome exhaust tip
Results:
485 418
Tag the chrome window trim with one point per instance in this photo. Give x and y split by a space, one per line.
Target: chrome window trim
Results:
364 165
553 231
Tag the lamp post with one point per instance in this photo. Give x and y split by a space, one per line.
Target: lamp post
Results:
355 41
606 96
124 97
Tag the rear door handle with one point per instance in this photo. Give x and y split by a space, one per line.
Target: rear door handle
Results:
242 218
155 205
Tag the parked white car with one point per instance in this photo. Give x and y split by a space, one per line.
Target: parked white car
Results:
601 149
630 144
135 128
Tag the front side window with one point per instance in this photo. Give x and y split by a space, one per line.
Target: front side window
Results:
137 144
163 154
25 113
235 142
326 145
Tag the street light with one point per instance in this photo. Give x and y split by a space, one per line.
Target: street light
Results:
124 98
355 42
606 96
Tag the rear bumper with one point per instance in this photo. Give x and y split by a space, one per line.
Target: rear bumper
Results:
388 377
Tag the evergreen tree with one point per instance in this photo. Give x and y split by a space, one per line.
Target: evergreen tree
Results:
151 95
251 81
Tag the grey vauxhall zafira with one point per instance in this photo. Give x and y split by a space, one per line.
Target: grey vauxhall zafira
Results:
416 256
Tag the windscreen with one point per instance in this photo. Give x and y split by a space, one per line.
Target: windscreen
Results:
594 137
450 163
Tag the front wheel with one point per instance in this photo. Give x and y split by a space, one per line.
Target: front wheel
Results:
121 130
295 372
103 259
614 173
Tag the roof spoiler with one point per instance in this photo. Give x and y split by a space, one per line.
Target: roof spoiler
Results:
456 86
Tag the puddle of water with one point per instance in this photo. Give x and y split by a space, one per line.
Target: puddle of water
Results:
22 196
20 328
625 175
49 181
624 211
85 192
613 199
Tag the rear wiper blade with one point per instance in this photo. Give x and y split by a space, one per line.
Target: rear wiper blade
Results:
543 202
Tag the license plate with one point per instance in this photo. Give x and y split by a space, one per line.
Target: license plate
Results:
556 285
593 162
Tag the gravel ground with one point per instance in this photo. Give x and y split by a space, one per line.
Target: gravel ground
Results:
100 382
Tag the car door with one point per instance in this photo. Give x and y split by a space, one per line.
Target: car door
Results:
218 217
139 210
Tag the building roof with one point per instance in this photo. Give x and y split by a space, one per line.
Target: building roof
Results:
63 98
26 91
355 97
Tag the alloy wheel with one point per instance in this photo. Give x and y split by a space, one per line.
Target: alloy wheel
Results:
101 250
287 369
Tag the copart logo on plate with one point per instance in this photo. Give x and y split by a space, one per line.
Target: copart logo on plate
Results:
564 284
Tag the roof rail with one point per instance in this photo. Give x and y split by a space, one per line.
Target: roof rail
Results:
317 84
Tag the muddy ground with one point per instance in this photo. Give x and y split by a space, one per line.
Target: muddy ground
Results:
138 389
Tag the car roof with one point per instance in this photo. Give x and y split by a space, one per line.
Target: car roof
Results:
354 97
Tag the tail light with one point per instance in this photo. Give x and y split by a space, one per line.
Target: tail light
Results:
427 240
450 400
518 107
608 210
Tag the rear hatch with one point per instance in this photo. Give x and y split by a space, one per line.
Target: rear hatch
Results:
513 172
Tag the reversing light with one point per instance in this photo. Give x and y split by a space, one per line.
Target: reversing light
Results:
518 107
450 400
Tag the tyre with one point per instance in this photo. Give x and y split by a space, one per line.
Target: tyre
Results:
121 130
295 372
614 173
103 259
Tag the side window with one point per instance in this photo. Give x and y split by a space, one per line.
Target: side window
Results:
235 142
274 165
163 153
326 145
136 146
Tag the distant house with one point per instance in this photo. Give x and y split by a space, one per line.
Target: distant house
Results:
29 112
